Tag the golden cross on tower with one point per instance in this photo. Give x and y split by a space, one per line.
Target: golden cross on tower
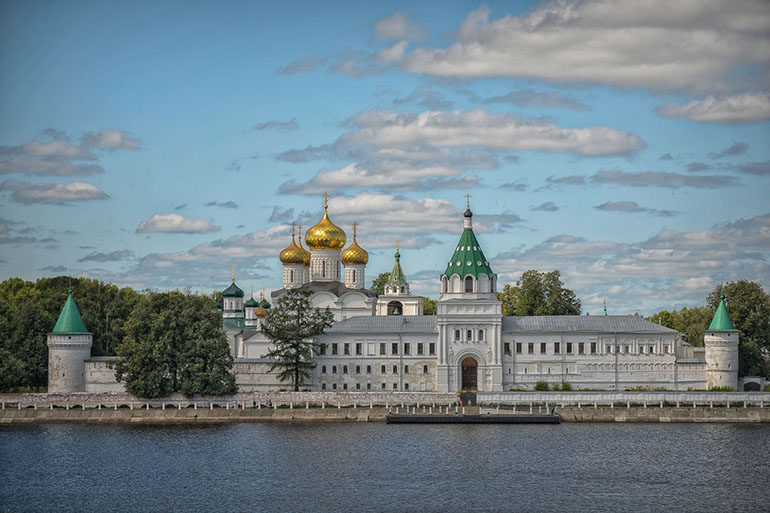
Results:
300 234
398 242
468 200
233 274
252 292
262 294
355 225
292 228
326 200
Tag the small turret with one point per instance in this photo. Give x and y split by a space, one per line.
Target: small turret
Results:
355 258
721 341
69 346
232 306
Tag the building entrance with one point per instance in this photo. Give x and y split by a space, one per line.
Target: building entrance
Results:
470 374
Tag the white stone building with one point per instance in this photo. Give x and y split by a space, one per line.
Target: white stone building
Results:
384 343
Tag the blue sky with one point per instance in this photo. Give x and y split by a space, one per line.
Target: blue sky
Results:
156 144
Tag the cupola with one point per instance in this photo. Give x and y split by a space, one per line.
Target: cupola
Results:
355 254
325 235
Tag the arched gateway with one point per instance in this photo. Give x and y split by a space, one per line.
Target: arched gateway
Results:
469 374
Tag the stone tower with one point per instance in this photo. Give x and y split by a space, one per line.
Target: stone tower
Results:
355 258
721 341
69 346
396 299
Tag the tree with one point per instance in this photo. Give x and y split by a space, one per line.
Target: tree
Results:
692 322
537 293
429 306
291 325
174 343
378 284
749 308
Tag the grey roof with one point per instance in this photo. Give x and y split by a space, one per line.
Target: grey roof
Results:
335 287
582 323
386 324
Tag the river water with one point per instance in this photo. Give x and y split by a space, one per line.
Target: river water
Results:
379 467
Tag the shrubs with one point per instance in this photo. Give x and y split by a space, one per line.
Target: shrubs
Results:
541 386
721 389
566 386
767 388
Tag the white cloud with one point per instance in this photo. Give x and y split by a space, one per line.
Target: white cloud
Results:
27 193
392 54
110 139
175 223
683 45
478 128
398 26
731 110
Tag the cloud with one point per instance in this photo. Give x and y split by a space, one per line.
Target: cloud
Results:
28 193
530 98
478 128
303 65
54 269
306 154
737 148
632 207
730 110
756 168
695 167
225 204
666 156
277 125
181 207
662 179
174 223
516 186
280 215
553 181
361 65
17 240
694 46
111 139
425 97
546 207
113 256
397 26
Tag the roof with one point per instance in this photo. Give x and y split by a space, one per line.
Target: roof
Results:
582 323
232 291
70 322
251 303
233 323
468 258
386 324
721 320
334 287
397 276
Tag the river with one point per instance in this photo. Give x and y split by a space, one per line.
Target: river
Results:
377 467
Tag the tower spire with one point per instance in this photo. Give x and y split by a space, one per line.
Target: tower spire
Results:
468 201
233 268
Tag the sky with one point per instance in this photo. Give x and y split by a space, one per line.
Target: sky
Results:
157 144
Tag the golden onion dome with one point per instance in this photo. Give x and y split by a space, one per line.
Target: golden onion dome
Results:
293 254
325 235
355 254
260 313
306 253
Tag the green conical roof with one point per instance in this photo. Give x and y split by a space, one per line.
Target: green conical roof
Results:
468 257
70 322
397 276
721 321
265 304
232 291
251 303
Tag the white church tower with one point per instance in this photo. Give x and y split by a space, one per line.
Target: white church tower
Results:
397 300
469 319
355 258
721 341
325 241
296 262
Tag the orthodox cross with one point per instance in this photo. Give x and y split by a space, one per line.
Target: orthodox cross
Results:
292 229
326 199
398 242
354 230
233 274
468 200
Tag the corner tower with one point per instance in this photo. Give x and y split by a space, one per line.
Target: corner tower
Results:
69 346
721 341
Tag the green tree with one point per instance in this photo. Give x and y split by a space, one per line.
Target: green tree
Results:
691 322
11 371
291 325
378 284
749 308
537 293
174 343
429 306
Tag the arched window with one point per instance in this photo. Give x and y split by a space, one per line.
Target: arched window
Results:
470 335
354 275
395 308
403 290
291 275
468 284
443 285
457 334
323 269
481 335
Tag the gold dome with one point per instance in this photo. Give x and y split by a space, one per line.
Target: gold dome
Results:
306 261
325 235
293 254
260 313
355 254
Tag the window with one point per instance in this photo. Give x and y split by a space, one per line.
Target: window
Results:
322 349
358 369
323 268
334 348
457 334
424 369
323 386
469 336
518 347
481 334
556 348
354 279
334 386
394 348
406 369
432 348
395 386
652 349
569 347
382 349
368 386
468 284
345 386
665 349
406 386
346 349
334 369
641 349
609 349
358 385
593 347
383 386
407 348
359 349
507 348
395 369
420 347
543 347
382 369
627 350
291 275
368 369
531 348
581 348
344 369
323 369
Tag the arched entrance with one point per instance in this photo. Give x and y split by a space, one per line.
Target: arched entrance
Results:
469 374
395 308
